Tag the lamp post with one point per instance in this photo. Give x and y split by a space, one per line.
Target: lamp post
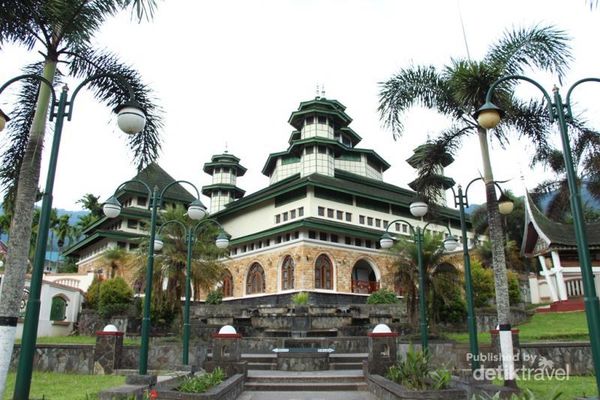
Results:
131 119
489 116
461 201
112 209
221 242
418 209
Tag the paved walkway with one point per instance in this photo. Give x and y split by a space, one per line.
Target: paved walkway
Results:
251 395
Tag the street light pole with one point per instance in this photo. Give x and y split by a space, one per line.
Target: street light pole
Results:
112 209
132 120
489 116
461 200
190 234
450 243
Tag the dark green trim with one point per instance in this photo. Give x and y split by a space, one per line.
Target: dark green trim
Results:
209 189
210 166
332 108
99 234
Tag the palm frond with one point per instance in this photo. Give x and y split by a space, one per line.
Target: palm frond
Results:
146 144
530 120
18 22
420 85
542 47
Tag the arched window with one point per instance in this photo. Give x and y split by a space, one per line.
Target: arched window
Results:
227 284
287 273
255 282
323 273
58 309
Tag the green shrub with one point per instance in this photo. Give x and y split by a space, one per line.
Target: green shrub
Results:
415 372
514 293
300 298
115 297
483 284
448 304
92 294
382 296
201 383
214 297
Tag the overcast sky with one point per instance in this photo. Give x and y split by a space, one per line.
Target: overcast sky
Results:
230 72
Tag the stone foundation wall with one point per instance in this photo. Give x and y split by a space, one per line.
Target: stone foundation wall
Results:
78 359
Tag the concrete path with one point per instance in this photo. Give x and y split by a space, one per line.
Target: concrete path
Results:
252 395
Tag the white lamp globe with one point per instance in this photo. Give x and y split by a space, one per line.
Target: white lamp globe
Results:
450 243
222 242
112 207
196 210
386 241
227 330
158 244
418 208
131 118
382 328
110 328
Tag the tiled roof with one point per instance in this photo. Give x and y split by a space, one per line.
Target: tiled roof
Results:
154 175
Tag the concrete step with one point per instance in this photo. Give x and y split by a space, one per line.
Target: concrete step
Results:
263 366
308 379
345 365
306 386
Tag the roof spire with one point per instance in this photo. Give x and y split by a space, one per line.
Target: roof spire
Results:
226 148
317 97
322 90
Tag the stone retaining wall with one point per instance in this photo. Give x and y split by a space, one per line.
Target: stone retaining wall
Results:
59 358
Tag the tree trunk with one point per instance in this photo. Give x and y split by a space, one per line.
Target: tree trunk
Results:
498 260
20 230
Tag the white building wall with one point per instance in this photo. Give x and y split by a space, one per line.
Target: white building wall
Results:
224 175
218 200
316 129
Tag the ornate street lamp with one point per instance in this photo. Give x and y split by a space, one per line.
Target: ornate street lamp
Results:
505 205
131 120
419 209
488 116
112 208
222 242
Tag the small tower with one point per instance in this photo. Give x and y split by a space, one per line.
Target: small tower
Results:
224 169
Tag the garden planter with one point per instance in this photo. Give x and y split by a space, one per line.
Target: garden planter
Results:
384 389
229 389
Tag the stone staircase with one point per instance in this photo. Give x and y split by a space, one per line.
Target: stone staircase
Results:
314 381
337 362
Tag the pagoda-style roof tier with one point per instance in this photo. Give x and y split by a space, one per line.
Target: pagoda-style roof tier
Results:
295 150
153 175
320 106
97 236
349 132
543 235
224 160
208 190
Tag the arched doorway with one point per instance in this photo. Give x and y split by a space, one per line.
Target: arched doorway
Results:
255 281
287 273
364 279
227 284
323 273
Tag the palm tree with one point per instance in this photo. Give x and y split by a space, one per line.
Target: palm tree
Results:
62 31
91 203
438 276
457 91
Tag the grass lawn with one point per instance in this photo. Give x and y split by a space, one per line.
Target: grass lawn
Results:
575 386
568 326
54 386
77 340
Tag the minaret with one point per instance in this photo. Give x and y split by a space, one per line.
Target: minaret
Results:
224 169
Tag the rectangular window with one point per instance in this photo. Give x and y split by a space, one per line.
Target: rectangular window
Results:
312 234
278 239
357 242
133 246
348 240
322 149
287 237
349 217
259 244
370 221
368 243
322 236
310 150
339 215
296 235
377 222
251 246
132 224
385 224
292 214
322 120
285 216
333 238
321 211
277 218
141 200
397 226
310 120
404 228
301 212
361 219
244 248
330 213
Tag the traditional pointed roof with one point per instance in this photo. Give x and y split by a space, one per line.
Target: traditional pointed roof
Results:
154 175
543 235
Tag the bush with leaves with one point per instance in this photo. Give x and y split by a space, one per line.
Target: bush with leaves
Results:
382 296
300 298
448 305
214 297
92 294
514 292
201 383
114 298
483 284
415 372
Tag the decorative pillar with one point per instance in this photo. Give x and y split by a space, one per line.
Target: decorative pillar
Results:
227 352
560 280
548 278
382 349
107 352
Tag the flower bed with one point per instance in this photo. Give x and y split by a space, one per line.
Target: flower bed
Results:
229 389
